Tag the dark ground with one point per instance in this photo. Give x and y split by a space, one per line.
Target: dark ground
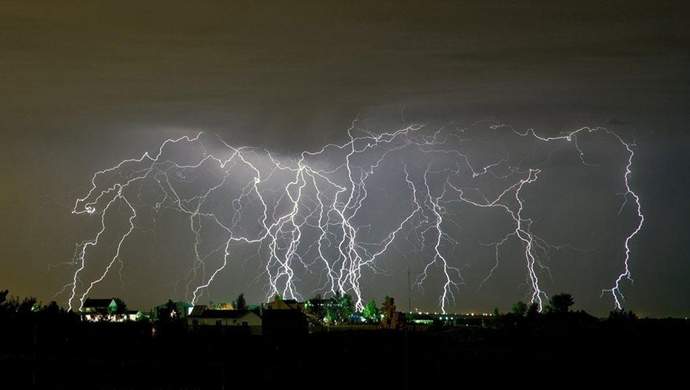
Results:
37 351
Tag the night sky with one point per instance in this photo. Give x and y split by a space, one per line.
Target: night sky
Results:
87 84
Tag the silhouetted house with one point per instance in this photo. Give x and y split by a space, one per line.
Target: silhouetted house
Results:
285 304
284 322
109 309
201 316
197 310
223 306
173 310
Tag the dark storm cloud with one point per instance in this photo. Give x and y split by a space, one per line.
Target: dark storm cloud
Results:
85 84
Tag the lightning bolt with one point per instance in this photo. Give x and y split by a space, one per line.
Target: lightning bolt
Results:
615 291
323 194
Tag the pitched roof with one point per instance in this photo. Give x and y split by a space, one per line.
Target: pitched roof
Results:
198 310
178 305
97 302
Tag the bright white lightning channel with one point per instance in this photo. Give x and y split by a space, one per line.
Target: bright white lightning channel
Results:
328 198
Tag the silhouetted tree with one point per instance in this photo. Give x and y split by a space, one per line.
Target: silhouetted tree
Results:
519 309
388 307
622 315
560 303
340 310
240 304
390 318
532 311
169 312
27 305
371 312
345 307
315 307
52 309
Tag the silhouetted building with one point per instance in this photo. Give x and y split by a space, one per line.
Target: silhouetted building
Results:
108 309
222 306
201 316
285 304
284 322
173 310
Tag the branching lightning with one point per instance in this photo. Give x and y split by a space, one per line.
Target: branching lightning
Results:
305 213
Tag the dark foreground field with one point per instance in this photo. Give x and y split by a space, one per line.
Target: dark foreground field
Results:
66 353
